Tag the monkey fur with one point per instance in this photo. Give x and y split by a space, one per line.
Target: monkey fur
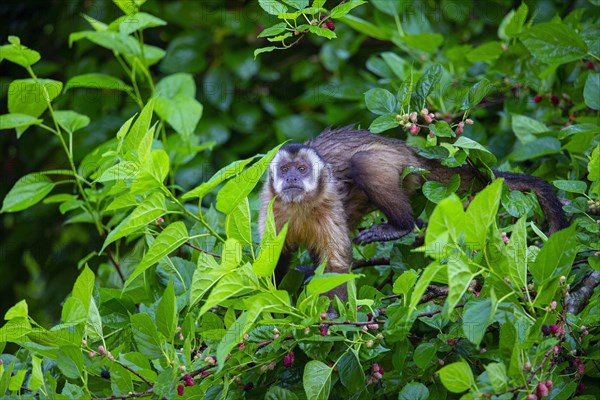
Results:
324 187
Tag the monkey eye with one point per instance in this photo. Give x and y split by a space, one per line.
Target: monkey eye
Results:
284 169
302 168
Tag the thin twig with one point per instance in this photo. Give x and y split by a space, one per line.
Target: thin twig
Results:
115 263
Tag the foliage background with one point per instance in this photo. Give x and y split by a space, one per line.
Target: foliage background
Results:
250 105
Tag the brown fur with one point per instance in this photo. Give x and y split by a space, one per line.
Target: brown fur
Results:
362 173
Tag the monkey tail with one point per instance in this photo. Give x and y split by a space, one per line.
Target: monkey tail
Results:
550 204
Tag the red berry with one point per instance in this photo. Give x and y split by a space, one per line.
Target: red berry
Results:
330 25
288 359
531 396
323 329
554 99
590 65
370 316
554 328
323 316
549 384
538 98
580 388
180 390
241 346
541 390
189 382
577 360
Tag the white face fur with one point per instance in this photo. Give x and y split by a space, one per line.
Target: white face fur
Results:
309 182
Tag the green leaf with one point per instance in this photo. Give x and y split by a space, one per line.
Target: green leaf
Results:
10 121
344 8
475 150
441 129
476 93
237 224
235 190
517 253
414 391
138 131
594 165
274 30
272 7
571 186
267 49
351 372
526 128
427 42
83 288
219 177
317 380
138 21
365 27
97 81
236 283
536 148
231 255
487 52
421 286
115 41
457 377
146 336
71 121
381 102
37 377
425 85
152 174
16 381
405 283
477 316
120 380
459 279
235 335
167 241
147 212
497 374
70 361
481 213
204 279
324 283
516 203
323 32
445 226
591 91
18 310
166 312
425 354
19 54
26 96
389 7
554 43
26 192
557 255
270 250
513 23
279 393
436 192
176 103
383 123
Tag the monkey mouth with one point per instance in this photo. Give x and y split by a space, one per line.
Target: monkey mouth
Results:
292 193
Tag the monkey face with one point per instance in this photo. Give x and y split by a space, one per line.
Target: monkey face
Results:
294 173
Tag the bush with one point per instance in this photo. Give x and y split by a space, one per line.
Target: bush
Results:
177 297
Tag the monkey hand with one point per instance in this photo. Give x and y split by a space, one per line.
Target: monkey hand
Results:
380 233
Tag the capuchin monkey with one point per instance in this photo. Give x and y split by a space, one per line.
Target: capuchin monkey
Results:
324 187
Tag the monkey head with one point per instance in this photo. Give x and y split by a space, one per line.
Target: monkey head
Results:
296 173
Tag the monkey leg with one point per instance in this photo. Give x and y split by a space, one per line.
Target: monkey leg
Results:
376 173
